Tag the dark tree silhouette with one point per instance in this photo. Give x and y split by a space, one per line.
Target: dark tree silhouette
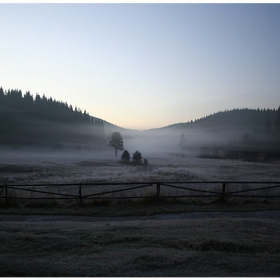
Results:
267 125
277 124
116 142
125 157
28 100
2 96
137 158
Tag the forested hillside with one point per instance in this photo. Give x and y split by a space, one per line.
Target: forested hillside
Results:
27 121
237 120
240 133
45 122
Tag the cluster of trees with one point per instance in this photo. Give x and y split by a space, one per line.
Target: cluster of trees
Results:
41 121
269 133
262 144
136 158
42 107
236 120
116 142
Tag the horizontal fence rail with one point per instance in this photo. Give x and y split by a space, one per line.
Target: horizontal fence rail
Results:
140 190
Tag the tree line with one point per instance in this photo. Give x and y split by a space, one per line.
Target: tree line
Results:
236 120
41 121
42 107
259 143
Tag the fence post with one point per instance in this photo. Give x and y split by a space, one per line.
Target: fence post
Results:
80 195
158 192
223 192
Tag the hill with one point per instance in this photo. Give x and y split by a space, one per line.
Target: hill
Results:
46 123
240 133
238 120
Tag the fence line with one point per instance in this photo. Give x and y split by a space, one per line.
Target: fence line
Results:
79 189
190 189
115 191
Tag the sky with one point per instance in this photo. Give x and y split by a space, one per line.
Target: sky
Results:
143 66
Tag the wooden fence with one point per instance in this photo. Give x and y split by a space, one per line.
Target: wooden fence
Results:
153 190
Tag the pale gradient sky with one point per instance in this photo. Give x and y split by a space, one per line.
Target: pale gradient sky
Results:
144 66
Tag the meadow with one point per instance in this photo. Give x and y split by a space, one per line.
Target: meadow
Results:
104 167
48 168
133 239
190 247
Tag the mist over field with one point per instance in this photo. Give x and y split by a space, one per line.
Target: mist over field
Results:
44 140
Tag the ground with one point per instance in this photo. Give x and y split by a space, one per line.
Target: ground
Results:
105 241
199 245
104 167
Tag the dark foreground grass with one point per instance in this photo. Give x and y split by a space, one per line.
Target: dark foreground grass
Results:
196 247
144 207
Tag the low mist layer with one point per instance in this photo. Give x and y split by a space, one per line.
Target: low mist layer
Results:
41 124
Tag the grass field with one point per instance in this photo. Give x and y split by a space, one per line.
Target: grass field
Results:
228 246
98 167
185 247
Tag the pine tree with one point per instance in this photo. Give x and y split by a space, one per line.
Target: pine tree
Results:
277 124
2 95
28 100
267 125
125 157
137 158
116 142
